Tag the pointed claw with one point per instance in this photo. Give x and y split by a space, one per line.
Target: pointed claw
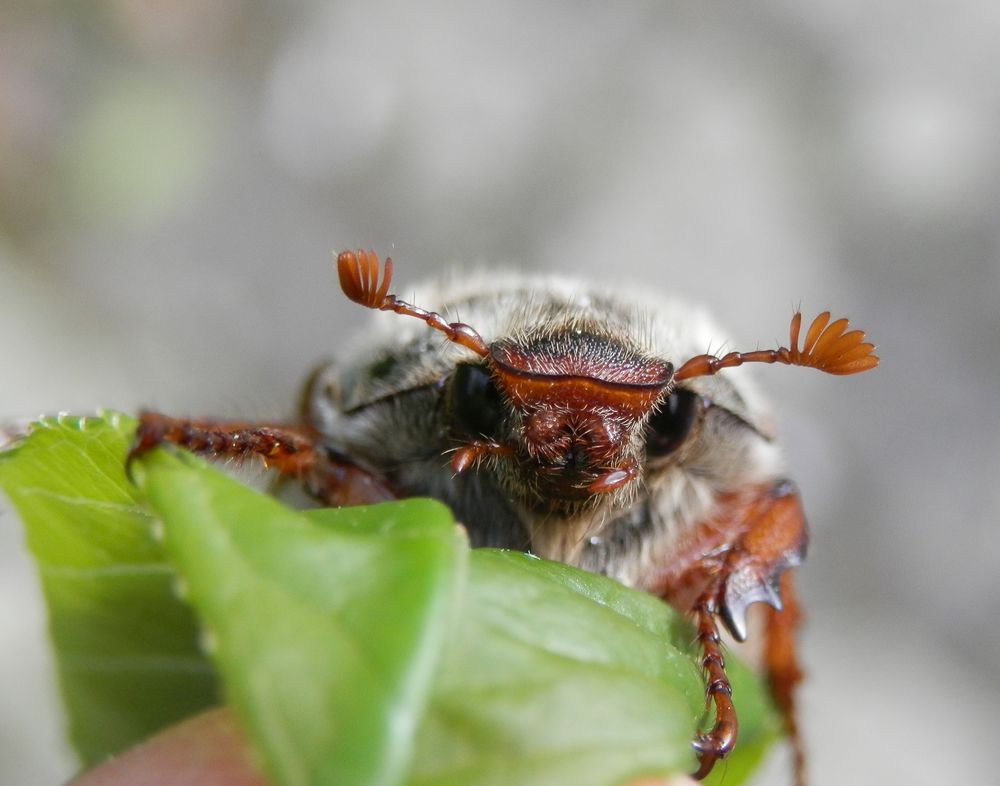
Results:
742 589
748 585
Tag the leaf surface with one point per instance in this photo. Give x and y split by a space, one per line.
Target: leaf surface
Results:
126 648
361 645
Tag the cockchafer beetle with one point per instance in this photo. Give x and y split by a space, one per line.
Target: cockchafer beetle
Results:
582 425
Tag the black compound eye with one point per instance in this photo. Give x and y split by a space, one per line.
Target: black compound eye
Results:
475 403
670 426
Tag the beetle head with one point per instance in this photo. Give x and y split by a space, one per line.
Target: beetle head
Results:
570 412
579 401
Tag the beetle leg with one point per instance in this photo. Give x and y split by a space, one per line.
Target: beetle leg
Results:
717 742
782 666
340 482
287 449
736 558
783 675
292 451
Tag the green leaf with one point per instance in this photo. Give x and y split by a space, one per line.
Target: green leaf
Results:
125 647
607 700
327 638
363 645
604 673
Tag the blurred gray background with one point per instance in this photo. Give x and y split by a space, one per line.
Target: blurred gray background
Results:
174 177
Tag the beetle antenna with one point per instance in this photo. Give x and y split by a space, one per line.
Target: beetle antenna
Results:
359 279
828 346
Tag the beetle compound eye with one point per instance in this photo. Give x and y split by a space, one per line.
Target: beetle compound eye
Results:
672 423
475 403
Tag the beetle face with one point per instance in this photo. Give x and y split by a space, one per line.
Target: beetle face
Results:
570 424
577 405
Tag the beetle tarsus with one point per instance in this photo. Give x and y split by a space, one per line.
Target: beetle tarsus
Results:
719 741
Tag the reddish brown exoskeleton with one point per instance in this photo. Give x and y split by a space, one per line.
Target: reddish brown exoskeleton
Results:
561 425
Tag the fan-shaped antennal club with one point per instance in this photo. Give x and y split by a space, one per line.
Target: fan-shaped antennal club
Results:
828 346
